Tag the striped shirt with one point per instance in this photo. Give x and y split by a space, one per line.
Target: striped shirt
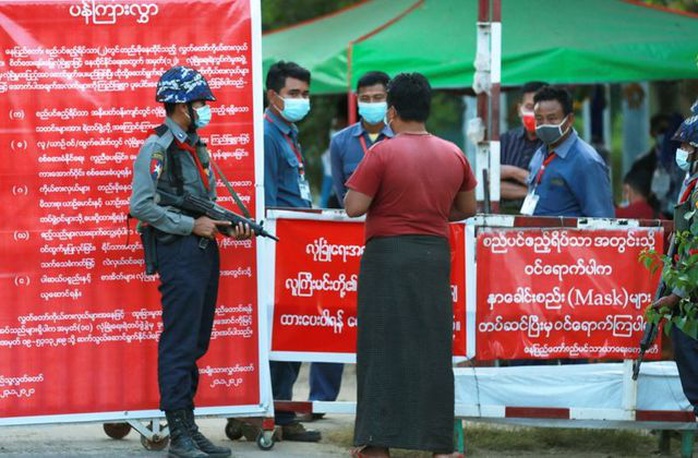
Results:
517 149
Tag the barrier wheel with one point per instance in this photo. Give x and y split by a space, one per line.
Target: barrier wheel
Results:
265 440
116 430
155 444
233 429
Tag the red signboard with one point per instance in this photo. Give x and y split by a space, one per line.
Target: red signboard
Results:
554 293
315 284
80 321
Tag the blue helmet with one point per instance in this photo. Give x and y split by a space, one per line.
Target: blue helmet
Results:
182 85
688 131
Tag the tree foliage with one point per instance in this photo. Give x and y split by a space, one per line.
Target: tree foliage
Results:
679 5
282 13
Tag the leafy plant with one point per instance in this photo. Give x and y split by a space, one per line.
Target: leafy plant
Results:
679 272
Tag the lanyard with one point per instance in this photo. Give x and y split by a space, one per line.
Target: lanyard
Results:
687 192
293 146
548 160
362 140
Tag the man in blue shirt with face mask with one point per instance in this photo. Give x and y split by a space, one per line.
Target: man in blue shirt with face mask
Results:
285 179
567 176
349 145
286 185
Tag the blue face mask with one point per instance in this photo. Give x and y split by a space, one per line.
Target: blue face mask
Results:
295 109
682 159
203 116
373 113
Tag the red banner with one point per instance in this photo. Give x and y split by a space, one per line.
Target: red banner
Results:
80 320
315 285
557 293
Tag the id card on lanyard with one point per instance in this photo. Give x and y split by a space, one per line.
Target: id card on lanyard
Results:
303 185
531 201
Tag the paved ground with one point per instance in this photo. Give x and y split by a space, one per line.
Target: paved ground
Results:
89 440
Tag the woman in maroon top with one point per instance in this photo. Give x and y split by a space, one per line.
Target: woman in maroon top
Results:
409 187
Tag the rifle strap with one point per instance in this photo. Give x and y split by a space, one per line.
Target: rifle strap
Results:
230 189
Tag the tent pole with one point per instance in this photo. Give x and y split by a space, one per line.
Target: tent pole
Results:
351 100
487 86
483 15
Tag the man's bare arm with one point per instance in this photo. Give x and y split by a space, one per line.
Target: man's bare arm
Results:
509 190
464 206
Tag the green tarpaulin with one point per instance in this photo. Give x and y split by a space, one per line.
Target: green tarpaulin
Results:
558 41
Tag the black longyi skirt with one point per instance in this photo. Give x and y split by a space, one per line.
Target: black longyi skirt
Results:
405 395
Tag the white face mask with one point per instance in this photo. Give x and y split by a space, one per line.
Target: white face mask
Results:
203 116
295 109
682 159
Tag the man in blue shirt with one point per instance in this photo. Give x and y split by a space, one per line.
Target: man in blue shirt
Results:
349 145
286 185
288 93
567 176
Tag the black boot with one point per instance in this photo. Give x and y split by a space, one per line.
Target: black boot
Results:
181 443
202 441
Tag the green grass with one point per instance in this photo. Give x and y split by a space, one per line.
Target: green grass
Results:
483 440
558 440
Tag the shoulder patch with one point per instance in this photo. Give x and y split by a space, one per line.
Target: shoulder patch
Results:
156 164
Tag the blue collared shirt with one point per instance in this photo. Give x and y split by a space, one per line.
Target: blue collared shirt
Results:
346 151
575 183
282 169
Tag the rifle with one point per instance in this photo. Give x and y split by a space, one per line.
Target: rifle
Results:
201 206
651 329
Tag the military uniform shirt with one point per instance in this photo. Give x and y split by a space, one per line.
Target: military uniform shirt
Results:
151 172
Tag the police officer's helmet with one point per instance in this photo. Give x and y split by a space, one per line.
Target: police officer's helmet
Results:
688 131
182 85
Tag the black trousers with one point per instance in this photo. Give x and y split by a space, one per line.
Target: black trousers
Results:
686 356
189 288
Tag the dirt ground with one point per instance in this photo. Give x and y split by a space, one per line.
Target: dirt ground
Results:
89 440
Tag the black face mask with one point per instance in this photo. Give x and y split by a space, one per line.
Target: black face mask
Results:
550 133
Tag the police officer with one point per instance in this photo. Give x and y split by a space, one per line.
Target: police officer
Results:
174 161
685 346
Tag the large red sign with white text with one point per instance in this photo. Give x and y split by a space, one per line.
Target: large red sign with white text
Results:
80 321
563 293
315 285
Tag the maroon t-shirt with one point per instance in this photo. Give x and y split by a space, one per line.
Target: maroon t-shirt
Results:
413 180
640 210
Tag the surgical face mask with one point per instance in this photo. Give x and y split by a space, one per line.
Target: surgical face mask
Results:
295 109
682 159
373 113
528 120
203 116
550 133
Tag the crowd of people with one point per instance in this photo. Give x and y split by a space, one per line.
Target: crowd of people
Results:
409 183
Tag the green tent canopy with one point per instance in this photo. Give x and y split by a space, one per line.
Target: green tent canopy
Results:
558 41
321 45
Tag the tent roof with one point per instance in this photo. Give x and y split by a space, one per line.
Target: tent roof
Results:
558 41
321 45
